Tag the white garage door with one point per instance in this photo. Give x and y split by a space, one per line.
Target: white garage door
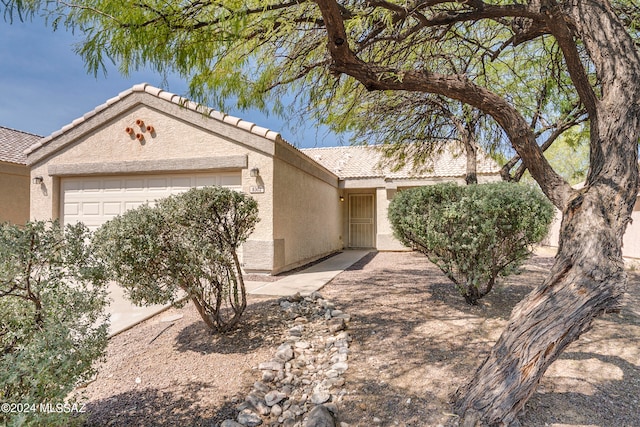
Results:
95 200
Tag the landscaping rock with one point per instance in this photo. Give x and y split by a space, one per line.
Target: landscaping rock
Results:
274 397
336 325
257 402
320 416
284 353
249 419
276 410
306 369
272 365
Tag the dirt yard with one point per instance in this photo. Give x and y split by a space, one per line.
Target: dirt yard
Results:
414 342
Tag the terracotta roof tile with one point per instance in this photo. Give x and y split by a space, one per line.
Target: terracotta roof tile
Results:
368 162
13 143
167 96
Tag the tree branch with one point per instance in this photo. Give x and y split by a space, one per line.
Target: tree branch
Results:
458 87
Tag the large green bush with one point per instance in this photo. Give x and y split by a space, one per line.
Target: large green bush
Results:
472 233
53 325
187 242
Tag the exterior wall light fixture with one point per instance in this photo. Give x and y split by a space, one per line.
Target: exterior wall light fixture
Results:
342 198
37 180
255 172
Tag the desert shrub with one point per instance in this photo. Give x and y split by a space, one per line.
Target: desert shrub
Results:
472 233
187 242
53 325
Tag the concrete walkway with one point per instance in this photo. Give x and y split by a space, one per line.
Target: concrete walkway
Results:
125 315
310 279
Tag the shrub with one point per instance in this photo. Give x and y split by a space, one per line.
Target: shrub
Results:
472 233
186 242
53 326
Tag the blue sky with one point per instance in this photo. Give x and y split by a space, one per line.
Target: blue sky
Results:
44 85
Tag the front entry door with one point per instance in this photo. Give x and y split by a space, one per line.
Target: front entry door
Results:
361 221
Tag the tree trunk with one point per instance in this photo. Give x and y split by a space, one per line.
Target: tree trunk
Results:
586 280
471 176
588 276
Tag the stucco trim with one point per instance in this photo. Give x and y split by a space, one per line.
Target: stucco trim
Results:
150 166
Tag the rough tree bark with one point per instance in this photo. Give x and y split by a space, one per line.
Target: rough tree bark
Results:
588 277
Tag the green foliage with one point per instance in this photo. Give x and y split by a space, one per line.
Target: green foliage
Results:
569 156
53 326
472 233
187 242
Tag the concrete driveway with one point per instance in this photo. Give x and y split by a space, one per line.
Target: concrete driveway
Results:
125 314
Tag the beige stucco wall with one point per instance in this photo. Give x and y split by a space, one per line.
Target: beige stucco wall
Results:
307 209
631 240
174 143
631 246
386 241
14 193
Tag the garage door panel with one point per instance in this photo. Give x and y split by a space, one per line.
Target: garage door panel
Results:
95 200
72 186
72 208
112 209
181 183
133 185
231 181
157 184
91 209
112 185
206 181
91 186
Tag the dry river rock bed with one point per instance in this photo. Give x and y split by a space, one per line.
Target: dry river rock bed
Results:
413 341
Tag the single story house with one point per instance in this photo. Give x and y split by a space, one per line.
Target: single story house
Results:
147 143
14 175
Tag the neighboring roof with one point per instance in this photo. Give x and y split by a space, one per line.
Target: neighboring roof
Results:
369 162
167 96
13 143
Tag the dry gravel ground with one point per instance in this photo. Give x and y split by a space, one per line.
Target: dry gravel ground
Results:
414 342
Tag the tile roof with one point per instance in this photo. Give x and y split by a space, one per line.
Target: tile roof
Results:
368 162
167 96
13 143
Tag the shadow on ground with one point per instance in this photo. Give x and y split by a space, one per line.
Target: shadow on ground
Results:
258 322
150 407
415 341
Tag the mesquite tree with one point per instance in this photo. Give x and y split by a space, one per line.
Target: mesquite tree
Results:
253 51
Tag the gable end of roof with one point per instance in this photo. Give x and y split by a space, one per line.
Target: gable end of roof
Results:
165 96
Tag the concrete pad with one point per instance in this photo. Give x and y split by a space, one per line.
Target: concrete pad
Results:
313 278
124 314
251 285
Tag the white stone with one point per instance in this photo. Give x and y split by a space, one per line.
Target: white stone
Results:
341 367
249 418
276 410
274 397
